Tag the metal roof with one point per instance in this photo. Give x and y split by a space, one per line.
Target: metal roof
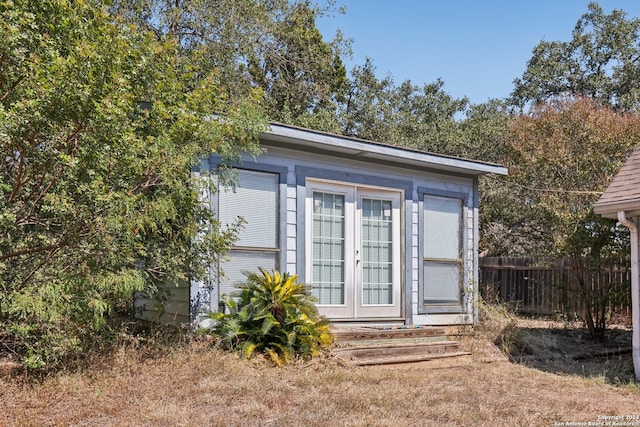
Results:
623 194
298 138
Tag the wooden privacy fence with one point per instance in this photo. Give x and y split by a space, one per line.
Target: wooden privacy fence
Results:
550 287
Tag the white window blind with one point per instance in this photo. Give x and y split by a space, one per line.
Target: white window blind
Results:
442 218
244 261
442 248
255 199
442 282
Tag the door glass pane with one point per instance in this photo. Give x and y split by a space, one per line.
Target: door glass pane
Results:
328 247
377 280
442 227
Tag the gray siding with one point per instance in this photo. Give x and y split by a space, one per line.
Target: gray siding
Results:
303 165
172 307
359 163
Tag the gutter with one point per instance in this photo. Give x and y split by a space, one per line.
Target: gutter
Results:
635 289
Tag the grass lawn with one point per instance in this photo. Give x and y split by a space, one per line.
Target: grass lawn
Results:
195 385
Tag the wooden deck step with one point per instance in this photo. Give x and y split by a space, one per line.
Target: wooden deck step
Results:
383 350
366 336
410 359
365 346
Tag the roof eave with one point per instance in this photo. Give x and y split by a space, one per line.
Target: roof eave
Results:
373 150
610 209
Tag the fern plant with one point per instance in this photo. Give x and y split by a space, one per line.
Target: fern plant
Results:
275 315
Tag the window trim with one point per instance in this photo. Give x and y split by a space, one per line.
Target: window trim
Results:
277 218
281 250
458 308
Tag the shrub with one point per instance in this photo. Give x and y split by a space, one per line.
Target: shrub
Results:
275 315
499 324
101 124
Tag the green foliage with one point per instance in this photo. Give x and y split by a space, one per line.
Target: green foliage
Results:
600 62
274 45
275 315
483 132
596 245
422 118
562 155
100 125
301 74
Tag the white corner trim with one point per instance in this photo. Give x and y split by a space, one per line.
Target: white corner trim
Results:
635 288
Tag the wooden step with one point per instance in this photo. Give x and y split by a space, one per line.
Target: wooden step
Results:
410 359
358 336
387 350
376 345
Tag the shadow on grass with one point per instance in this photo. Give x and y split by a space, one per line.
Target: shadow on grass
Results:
571 351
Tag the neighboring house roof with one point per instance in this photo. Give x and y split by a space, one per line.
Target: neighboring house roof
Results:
623 194
285 136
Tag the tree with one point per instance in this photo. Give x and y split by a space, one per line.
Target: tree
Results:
483 131
300 73
365 106
273 45
422 118
574 138
100 124
562 155
601 61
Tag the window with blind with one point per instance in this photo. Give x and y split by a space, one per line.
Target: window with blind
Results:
442 253
255 199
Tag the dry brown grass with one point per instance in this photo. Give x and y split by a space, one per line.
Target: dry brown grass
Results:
195 385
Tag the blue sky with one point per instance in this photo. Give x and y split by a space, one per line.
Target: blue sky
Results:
476 47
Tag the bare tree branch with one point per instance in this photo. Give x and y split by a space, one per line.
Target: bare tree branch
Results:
11 89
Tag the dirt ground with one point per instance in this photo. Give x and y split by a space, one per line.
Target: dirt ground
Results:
553 374
567 348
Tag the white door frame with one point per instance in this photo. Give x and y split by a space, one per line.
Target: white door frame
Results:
392 309
353 306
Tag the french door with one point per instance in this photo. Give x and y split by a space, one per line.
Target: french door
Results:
353 250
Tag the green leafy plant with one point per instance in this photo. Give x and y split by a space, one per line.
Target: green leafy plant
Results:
102 126
273 314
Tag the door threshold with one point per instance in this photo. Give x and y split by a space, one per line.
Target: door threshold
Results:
377 322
